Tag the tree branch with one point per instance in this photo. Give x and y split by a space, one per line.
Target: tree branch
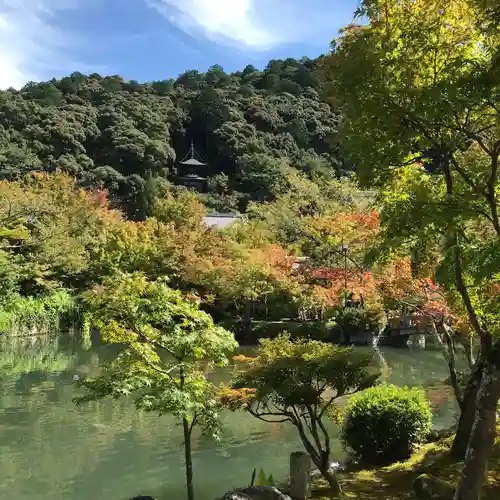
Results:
326 436
485 337
468 180
327 405
159 370
193 423
153 342
262 416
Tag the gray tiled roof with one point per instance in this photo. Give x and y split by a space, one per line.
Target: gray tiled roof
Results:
220 220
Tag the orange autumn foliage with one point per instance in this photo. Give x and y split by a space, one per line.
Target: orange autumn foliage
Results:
359 285
241 358
235 399
356 230
399 286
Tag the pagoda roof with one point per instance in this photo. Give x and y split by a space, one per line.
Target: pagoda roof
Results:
190 158
193 161
192 177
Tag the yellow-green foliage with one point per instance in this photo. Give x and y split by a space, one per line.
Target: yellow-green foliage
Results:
395 482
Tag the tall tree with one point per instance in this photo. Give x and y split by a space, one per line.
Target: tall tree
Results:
167 347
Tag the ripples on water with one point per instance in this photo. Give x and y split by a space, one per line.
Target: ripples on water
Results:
52 450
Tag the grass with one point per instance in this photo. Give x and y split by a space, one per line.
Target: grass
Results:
24 315
395 482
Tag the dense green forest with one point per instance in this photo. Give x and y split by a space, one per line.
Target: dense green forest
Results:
252 127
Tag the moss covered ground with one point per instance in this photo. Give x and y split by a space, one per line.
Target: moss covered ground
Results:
395 482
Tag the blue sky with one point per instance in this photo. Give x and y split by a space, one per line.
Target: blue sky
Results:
158 39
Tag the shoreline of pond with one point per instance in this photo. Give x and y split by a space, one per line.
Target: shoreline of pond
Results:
70 450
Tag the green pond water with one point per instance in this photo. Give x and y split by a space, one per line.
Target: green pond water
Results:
52 450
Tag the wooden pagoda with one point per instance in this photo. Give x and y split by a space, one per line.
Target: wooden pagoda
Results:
192 171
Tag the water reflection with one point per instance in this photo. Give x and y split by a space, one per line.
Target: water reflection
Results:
51 449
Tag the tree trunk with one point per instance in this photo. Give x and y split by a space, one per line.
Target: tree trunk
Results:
466 422
247 320
467 414
448 351
482 437
320 456
188 458
454 382
335 488
187 428
469 354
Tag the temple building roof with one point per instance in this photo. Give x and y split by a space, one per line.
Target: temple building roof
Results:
192 177
191 160
220 221
194 162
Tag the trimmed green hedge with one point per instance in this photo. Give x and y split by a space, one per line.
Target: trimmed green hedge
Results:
384 424
314 330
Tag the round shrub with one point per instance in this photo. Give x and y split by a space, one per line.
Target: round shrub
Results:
384 424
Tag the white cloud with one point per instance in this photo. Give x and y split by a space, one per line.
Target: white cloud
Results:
233 20
32 46
259 24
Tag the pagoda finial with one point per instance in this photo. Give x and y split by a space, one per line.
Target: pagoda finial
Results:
192 157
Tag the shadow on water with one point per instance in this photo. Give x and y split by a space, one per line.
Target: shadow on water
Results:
52 449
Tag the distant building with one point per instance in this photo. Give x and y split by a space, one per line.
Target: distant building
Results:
192 172
221 221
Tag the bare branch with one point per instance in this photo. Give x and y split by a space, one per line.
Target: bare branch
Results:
262 416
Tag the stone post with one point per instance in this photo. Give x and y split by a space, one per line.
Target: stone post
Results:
300 475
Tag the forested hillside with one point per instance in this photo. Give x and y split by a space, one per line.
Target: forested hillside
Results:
252 127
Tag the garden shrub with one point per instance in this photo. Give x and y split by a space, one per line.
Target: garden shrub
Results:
312 330
384 424
347 322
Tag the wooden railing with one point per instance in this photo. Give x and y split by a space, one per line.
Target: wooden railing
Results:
418 322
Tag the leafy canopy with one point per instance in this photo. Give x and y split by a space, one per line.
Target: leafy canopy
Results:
424 77
288 379
408 78
167 345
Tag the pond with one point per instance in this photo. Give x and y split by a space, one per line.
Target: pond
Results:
52 450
